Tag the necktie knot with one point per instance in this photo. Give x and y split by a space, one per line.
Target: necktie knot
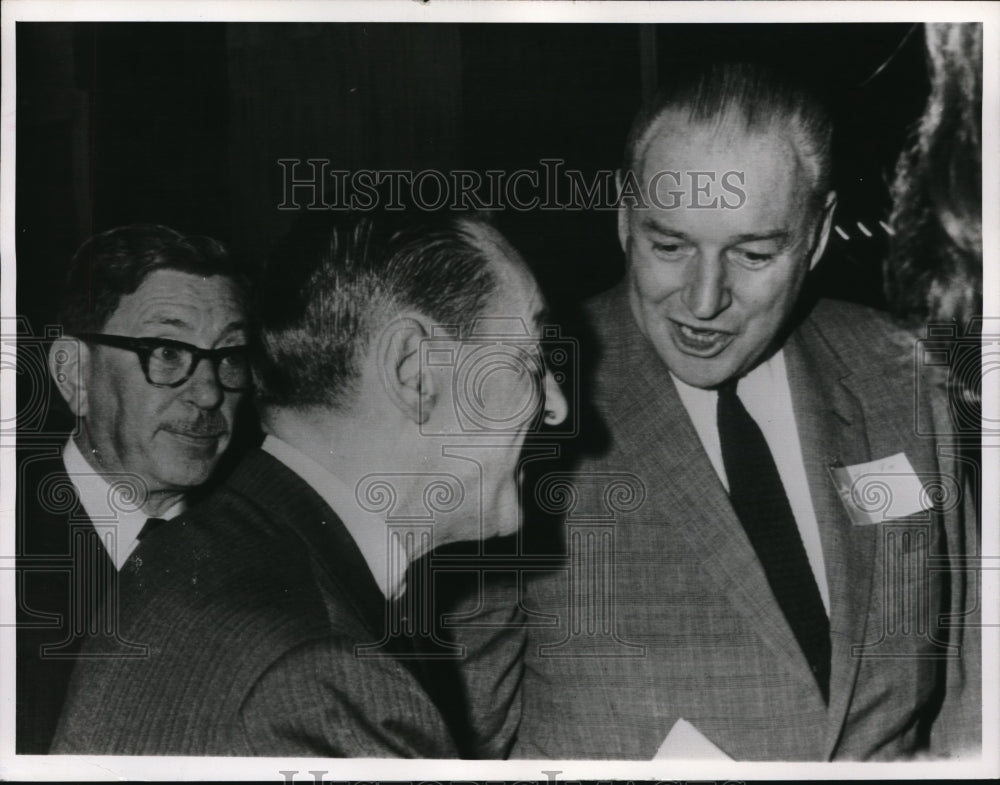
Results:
150 525
728 388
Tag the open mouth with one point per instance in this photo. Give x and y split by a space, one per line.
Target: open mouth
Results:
700 342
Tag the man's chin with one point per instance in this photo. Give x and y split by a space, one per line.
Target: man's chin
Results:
703 372
507 528
505 521
497 516
705 377
186 476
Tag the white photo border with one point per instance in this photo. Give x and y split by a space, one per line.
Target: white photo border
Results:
83 768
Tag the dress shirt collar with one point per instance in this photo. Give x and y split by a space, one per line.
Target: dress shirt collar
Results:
767 397
116 522
759 390
369 531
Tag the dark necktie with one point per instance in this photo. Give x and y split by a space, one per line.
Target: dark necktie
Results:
761 504
149 526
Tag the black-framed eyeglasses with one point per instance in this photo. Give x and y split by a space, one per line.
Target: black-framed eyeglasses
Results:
169 363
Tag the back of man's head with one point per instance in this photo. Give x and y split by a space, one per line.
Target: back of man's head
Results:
750 96
115 263
337 277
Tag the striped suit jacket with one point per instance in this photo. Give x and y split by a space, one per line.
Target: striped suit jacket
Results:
264 634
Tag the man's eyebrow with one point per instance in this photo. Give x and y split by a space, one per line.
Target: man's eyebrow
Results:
236 326
776 234
650 223
156 320
169 321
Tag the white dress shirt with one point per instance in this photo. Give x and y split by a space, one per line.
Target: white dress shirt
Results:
768 399
113 514
369 531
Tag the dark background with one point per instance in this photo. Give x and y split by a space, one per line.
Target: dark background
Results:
183 124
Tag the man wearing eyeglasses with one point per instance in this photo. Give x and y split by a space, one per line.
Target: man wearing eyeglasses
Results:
152 364
401 370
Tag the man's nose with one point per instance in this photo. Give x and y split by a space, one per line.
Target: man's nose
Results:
556 407
203 388
706 291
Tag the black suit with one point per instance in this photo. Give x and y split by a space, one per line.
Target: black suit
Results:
64 576
253 607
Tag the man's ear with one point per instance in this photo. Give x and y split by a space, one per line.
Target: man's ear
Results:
622 214
407 381
826 223
69 360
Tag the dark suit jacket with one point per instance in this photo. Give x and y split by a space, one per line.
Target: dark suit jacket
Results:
686 625
64 576
253 607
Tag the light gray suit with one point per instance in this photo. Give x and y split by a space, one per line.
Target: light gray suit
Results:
697 632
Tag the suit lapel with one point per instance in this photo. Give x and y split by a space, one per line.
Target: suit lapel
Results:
80 582
293 505
680 479
832 429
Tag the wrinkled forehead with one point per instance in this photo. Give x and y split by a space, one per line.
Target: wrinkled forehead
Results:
182 300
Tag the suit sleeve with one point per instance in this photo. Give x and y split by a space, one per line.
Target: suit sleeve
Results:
957 729
490 625
320 699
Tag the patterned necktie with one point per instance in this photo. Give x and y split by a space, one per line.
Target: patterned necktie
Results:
761 504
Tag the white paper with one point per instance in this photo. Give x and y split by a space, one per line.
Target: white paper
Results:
881 490
686 742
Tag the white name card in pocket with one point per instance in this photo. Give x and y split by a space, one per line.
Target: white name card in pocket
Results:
880 490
